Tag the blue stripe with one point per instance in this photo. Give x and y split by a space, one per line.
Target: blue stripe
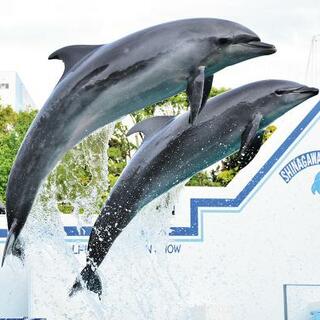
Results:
195 203
3 233
72 231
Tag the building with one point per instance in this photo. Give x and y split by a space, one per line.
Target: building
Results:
13 92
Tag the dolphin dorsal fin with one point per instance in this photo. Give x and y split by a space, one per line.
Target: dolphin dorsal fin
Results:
70 55
149 126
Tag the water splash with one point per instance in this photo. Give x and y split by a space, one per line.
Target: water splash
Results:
137 282
52 266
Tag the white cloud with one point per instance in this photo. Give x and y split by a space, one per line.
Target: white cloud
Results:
31 30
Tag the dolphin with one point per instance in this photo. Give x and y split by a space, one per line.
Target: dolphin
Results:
174 149
102 83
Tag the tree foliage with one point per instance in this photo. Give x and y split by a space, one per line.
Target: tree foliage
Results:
80 179
13 127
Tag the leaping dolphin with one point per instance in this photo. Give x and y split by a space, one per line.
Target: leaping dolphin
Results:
173 150
104 82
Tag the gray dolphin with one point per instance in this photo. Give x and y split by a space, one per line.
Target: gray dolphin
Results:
173 150
104 82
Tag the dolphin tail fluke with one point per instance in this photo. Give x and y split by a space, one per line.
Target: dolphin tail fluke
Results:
13 244
11 239
77 286
89 279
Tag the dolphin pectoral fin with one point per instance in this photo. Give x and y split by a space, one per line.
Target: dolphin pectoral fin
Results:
251 142
13 244
206 91
150 126
11 238
198 91
245 158
195 92
70 55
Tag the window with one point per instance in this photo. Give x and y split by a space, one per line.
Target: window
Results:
4 85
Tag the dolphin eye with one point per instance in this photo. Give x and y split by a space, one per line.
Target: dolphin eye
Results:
224 41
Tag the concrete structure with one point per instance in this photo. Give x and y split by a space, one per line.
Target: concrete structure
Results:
13 92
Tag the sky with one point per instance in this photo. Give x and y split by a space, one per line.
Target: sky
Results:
31 30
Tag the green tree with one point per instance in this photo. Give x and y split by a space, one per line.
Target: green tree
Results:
119 152
13 127
80 180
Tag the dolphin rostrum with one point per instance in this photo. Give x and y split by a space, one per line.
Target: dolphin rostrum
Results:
173 150
104 82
